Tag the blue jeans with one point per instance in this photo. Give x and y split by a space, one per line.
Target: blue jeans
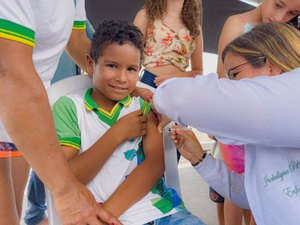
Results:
36 201
179 218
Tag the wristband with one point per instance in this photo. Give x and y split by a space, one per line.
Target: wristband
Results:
200 160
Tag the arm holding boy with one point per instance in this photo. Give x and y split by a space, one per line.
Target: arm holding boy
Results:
214 172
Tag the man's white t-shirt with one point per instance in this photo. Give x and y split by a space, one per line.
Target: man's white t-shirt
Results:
46 26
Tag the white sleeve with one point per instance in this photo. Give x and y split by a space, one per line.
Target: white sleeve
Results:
263 110
80 15
228 184
17 21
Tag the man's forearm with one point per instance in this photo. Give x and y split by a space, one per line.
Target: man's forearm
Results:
26 114
78 46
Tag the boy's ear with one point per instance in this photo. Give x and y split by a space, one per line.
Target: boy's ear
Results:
89 64
274 70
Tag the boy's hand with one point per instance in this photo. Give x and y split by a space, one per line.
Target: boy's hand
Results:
187 144
132 125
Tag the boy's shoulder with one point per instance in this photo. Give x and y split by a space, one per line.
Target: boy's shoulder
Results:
71 99
138 102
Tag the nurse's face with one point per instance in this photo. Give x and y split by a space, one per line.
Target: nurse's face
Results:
237 67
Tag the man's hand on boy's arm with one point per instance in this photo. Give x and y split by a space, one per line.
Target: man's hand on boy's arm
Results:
136 186
84 206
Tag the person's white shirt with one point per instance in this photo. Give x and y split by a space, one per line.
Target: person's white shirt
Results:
263 113
44 25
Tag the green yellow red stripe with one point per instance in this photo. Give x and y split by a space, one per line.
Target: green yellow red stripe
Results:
16 32
79 25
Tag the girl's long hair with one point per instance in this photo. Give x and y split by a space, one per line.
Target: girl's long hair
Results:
191 13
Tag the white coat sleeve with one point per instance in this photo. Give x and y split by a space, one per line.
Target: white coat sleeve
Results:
228 184
263 110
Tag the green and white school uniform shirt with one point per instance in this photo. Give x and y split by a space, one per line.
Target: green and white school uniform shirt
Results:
45 25
80 123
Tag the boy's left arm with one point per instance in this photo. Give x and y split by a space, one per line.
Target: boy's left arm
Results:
144 176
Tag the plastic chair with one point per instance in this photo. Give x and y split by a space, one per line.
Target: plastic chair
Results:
81 83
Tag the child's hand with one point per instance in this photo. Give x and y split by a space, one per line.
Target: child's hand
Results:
143 92
187 144
132 125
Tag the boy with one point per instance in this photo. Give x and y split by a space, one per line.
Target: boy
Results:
111 139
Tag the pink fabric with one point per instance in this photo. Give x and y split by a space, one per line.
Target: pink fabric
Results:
233 156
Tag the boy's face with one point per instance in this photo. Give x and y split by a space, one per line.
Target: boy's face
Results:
115 74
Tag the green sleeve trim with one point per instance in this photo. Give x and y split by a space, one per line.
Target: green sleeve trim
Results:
71 142
145 106
66 122
16 32
79 25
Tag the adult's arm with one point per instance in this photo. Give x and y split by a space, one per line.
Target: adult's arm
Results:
215 172
262 110
79 44
78 47
228 184
26 115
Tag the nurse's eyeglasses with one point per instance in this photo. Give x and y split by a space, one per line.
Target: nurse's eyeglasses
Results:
232 75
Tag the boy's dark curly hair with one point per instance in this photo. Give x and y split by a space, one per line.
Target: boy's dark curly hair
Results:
115 31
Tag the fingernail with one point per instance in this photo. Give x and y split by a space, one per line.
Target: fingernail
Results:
148 99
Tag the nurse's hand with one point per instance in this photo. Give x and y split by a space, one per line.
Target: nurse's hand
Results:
187 144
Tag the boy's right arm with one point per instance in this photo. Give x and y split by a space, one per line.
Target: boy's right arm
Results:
232 29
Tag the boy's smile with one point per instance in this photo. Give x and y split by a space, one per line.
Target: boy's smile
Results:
115 73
